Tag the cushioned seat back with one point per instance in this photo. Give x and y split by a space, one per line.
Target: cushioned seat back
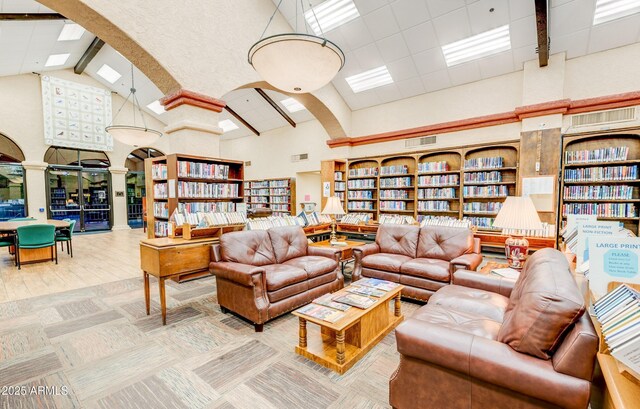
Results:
576 355
251 247
444 243
288 242
398 239
544 304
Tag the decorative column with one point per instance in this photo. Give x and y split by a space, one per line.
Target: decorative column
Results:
192 123
119 197
37 186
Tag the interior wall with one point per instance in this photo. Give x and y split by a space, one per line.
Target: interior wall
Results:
308 183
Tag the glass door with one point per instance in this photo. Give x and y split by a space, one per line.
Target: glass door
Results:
96 209
63 203
135 193
11 192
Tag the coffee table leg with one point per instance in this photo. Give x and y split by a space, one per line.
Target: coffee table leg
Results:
163 300
340 347
302 339
398 306
147 297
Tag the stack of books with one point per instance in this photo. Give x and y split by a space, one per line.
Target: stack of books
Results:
265 223
355 218
396 219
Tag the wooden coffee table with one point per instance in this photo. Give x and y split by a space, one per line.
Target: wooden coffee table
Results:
346 252
342 343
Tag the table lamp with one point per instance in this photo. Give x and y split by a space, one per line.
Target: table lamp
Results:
518 214
333 208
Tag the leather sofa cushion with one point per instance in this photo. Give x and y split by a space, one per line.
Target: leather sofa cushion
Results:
282 275
385 261
418 282
314 265
288 291
247 247
466 322
444 243
397 239
382 275
430 268
545 302
480 302
288 242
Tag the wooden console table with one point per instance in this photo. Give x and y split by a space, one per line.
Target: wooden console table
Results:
497 241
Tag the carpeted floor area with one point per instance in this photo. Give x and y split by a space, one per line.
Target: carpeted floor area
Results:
95 347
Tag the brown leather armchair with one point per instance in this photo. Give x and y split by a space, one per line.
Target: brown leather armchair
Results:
490 342
421 259
263 274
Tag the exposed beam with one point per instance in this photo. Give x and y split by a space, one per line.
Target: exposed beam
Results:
241 119
88 55
136 156
275 106
542 13
31 16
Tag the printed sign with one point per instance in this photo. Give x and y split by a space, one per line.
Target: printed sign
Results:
613 259
586 230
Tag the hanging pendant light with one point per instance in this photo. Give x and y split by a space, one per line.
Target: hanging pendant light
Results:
133 134
296 62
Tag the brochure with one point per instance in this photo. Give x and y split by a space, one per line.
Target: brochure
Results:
328 302
370 291
377 283
355 300
321 312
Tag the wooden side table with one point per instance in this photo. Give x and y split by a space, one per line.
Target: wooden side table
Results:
346 252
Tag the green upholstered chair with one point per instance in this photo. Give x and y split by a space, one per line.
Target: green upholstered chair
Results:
64 235
36 236
22 219
8 240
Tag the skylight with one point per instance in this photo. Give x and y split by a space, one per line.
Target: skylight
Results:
481 45
227 125
71 32
156 107
292 105
607 10
331 14
374 78
56 59
109 73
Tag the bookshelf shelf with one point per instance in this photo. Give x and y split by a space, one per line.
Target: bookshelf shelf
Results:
597 164
334 173
274 190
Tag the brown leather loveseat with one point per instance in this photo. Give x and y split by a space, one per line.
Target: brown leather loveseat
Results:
421 259
263 274
489 342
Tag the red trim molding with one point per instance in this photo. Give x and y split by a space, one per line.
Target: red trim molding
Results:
563 106
185 97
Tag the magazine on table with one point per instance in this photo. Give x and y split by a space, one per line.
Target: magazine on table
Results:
363 290
377 284
321 312
327 301
355 300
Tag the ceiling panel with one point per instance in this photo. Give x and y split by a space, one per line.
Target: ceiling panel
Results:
453 26
485 15
409 13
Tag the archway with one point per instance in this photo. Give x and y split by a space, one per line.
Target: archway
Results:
136 188
12 185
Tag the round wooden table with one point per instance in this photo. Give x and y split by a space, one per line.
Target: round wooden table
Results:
31 255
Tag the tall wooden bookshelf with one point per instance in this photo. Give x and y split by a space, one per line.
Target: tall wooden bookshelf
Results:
277 194
438 182
334 173
397 187
192 183
605 185
362 186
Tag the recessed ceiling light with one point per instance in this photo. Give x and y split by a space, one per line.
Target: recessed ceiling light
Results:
109 73
374 78
70 32
156 107
292 105
480 45
56 59
607 10
330 14
227 125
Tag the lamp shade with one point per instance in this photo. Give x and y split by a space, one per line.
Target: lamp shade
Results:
518 212
133 135
333 206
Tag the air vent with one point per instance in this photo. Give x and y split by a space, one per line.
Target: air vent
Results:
299 157
604 117
417 142
247 163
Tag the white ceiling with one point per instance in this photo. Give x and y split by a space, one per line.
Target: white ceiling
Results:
404 35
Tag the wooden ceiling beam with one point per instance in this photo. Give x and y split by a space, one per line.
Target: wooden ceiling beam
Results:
542 14
241 119
275 106
31 16
89 54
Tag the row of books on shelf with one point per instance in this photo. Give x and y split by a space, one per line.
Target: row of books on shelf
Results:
161 209
615 192
484 163
160 191
207 190
601 209
442 180
394 169
619 315
359 172
360 205
483 177
356 218
395 182
340 186
434 205
195 207
601 173
360 194
338 176
315 218
362 184
256 199
340 195
258 205
610 154
162 229
441 193
265 223
203 170
482 207
440 166
158 171
258 192
280 207
281 214
482 222
485 191
548 230
280 199
445 221
396 219
393 205
208 219
394 194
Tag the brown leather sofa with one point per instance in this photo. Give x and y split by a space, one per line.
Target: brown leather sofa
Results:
421 259
487 342
263 274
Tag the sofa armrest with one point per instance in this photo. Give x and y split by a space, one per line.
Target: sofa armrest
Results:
239 273
359 253
469 261
330 252
215 252
484 281
490 361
